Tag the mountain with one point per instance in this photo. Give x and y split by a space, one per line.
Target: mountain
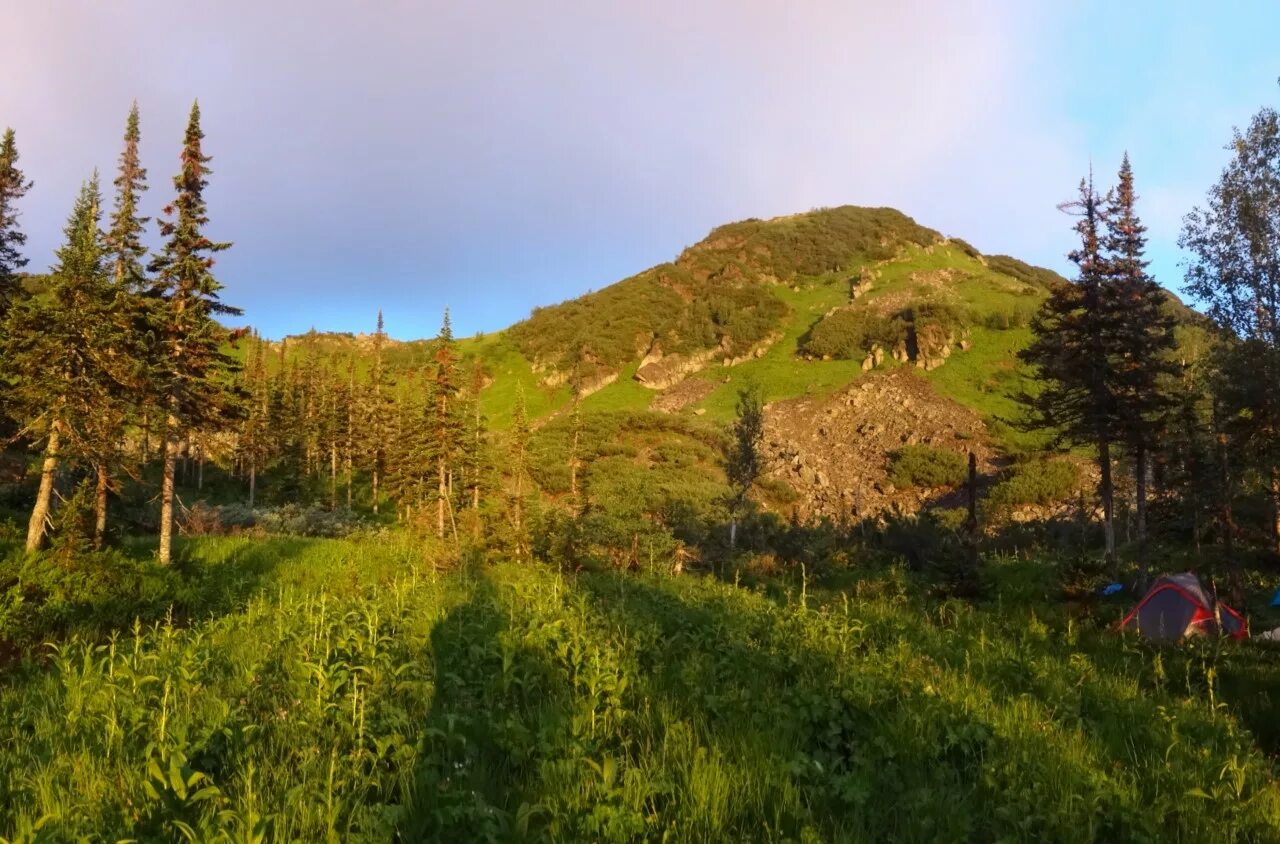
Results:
865 331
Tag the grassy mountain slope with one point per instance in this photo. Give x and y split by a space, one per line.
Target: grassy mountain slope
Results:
802 306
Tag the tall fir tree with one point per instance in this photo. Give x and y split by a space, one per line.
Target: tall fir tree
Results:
520 437
68 354
377 415
126 251
13 186
445 424
744 462
1141 330
191 371
1073 354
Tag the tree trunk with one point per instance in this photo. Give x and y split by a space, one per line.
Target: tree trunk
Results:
200 468
100 508
971 523
253 480
1106 492
441 495
171 447
375 490
733 533
1275 509
40 512
333 475
1228 524
1140 493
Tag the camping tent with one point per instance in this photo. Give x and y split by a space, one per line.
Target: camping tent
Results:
1177 606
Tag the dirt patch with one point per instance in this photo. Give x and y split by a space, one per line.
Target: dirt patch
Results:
834 451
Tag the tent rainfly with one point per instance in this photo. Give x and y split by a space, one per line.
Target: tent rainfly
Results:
1177 606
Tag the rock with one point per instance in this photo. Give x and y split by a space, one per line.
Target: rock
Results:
869 363
965 345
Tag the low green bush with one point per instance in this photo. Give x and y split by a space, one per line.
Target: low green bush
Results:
1034 482
927 466
849 335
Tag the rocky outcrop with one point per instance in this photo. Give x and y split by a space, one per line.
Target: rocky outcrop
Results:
834 451
687 392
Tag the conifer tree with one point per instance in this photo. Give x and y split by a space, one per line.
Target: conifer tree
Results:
254 435
744 461
377 414
1073 353
1141 328
475 460
124 239
124 259
521 433
68 354
191 371
445 424
13 186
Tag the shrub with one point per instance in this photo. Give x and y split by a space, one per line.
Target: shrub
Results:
849 335
926 466
1034 482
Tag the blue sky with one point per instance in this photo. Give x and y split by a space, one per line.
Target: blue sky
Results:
495 156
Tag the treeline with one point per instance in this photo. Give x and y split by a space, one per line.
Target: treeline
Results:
1115 378
116 368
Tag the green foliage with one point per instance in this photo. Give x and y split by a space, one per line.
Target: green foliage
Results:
1039 482
927 466
849 334
1040 277
350 694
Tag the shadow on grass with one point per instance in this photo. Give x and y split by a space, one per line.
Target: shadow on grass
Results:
499 711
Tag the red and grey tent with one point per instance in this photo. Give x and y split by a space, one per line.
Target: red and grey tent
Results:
1177 606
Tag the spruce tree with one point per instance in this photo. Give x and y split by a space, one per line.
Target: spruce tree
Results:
124 239
744 462
445 423
521 434
125 253
376 415
1073 354
1141 330
191 371
13 186
68 354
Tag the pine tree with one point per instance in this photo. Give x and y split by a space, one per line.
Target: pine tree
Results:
377 415
13 186
475 458
124 240
67 354
1141 328
1073 353
521 434
254 433
191 370
124 257
445 425
744 463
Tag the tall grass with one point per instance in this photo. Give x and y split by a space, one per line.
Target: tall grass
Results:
358 694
